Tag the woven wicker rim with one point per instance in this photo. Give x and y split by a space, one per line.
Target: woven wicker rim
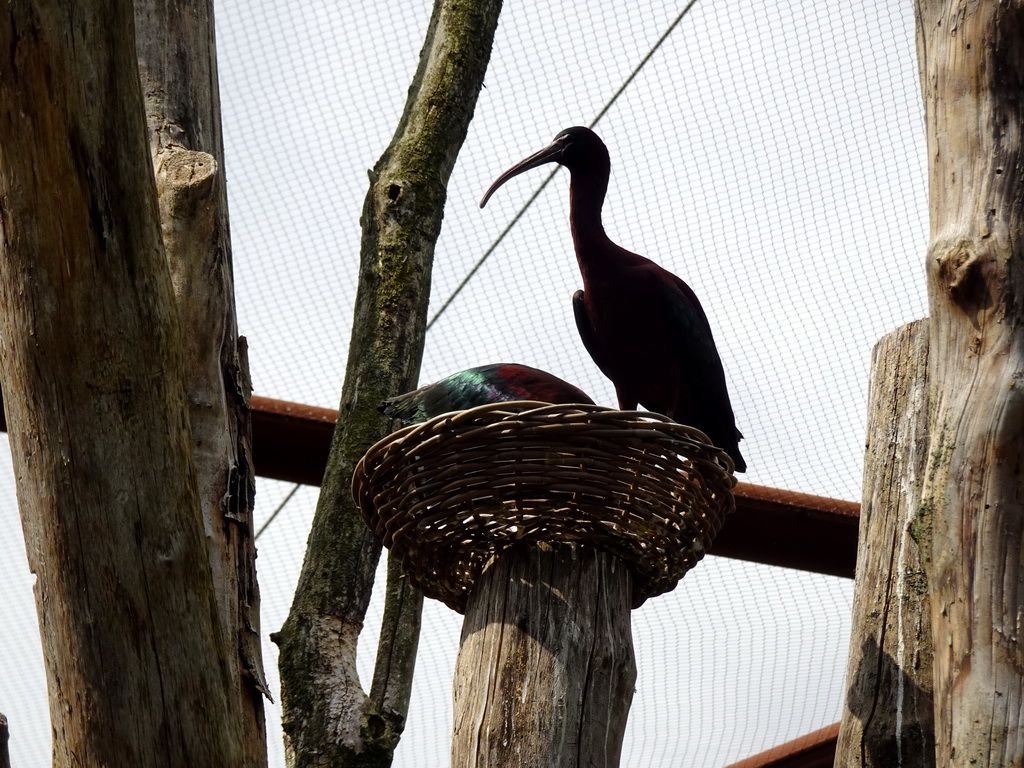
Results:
447 495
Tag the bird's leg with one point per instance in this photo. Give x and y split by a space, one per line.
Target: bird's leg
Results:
626 401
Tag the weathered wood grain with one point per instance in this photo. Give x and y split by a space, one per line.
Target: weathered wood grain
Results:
887 719
5 735
546 671
91 368
972 508
176 49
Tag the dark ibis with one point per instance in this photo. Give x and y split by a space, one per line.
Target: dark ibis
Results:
643 326
494 383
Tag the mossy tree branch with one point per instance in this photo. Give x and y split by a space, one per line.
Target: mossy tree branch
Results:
327 717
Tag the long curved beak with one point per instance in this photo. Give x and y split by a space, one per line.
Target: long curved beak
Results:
549 154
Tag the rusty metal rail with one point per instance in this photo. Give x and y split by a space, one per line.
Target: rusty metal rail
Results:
771 526
813 750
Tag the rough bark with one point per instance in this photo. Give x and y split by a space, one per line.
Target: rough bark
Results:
178 70
5 734
888 720
545 672
391 689
972 66
325 714
91 367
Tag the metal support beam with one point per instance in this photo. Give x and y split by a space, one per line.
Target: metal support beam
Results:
770 525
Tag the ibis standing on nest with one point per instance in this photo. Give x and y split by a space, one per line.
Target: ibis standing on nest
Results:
643 326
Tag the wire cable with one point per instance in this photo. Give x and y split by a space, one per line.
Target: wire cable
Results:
277 511
515 219
604 110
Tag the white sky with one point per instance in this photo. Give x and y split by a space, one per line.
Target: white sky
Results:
770 154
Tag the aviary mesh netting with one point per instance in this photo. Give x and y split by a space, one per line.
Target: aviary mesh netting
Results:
771 154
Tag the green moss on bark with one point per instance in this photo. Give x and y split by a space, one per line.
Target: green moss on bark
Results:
401 220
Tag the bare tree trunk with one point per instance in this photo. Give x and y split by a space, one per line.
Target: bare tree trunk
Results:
888 716
972 65
327 718
178 70
546 671
91 366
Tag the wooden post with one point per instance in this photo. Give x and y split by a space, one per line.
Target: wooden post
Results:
176 50
887 720
91 369
510 512
972 73
545 672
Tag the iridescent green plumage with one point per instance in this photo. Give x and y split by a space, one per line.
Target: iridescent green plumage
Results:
493 383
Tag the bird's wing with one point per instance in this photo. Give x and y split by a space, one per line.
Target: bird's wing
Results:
586 329
406 407
690 334
689 330
685 314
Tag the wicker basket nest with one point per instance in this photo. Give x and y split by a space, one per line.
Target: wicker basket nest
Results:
447 495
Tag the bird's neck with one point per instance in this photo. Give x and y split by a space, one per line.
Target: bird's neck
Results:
586 197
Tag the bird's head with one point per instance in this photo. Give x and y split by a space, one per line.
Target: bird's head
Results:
576 148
